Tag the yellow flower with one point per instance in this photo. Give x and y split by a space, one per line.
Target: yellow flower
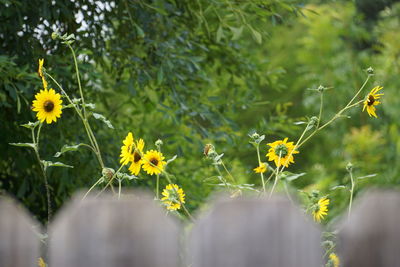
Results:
40 73
372 100
281 152
126 149
41 262
261 168
334 259
136 158
321 209
153 162
173 197
48 105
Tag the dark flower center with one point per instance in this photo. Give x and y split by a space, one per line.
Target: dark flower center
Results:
154 161
136 157
48 106
371 100
281 150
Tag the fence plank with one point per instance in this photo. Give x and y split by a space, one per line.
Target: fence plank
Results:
19 244
371 236
107 232
255 232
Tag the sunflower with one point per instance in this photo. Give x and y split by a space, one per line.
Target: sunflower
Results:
321 209
281 152
126 149
153 162
173 197
41 262
372 100
136 158
261 168
40 73
48 105
334 260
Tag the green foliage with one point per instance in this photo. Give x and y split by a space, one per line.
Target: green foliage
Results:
198 72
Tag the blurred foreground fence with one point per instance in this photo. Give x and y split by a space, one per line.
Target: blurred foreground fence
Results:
134 231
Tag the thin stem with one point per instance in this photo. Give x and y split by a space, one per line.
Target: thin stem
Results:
79 80
259 164
91 188
321 103
42 168
187 212
351 192
276 174
119 188
158 186
230 175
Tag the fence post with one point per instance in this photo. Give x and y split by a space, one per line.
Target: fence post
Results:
371 236
19 244
109 232
255 232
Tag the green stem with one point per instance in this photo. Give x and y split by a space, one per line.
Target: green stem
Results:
230 175
111 180
91 188
276 174
351 192
158 186
119 188
321 102
259 164
46 183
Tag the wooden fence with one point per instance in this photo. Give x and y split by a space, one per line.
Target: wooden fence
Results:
135 232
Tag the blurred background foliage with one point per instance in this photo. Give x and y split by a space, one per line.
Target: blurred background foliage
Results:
193 72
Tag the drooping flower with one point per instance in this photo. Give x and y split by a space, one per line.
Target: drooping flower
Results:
40 73
126 149
321 209
40 69
372 100
261 168
173 197
48 105
281 152
334 259
153 162
136 158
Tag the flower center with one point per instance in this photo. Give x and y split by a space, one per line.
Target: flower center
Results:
136 157
154 161
281 150
371 100
48 105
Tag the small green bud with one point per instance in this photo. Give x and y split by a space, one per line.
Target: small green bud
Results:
349 167
370 70
55 35
159 142
107 173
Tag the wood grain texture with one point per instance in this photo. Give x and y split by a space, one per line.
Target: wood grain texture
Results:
371 236
107 232
19 243
254 233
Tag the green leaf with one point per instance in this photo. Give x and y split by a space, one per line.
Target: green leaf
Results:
31 145
171 159
236 32
367 176
31 125
98 116
220 34
338 187
256 35
160 75
47 164
288 176
122 176
67 148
